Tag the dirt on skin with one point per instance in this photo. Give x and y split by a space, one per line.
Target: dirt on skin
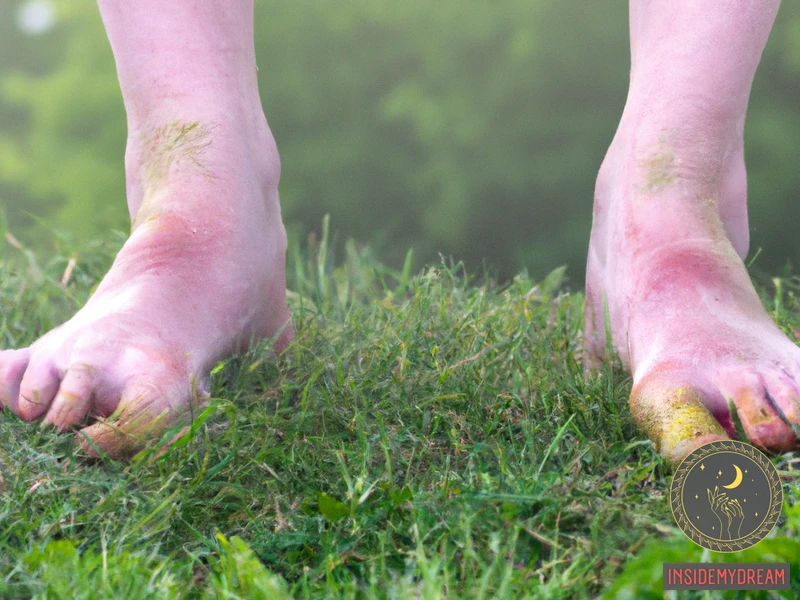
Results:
176 143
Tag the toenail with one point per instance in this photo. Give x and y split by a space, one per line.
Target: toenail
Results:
794 427
671 418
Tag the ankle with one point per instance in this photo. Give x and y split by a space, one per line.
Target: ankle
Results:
189 159
672 178
686 141
158 105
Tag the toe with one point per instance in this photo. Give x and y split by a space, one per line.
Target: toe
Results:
785 393
144 414
12 368
674 415
756 398
74 398
38 388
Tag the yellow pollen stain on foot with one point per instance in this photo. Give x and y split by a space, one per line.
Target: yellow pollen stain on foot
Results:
177 141
146 212
659 170
670 417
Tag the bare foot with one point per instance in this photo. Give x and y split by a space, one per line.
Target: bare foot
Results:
201 275
682 312
670 231
203 272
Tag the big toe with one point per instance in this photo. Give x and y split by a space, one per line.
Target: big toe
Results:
12 369
674 414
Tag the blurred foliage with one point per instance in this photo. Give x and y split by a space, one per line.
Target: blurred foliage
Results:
467 128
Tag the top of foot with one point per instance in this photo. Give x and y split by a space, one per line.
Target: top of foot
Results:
201 275
681 310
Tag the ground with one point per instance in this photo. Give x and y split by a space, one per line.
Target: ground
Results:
424 436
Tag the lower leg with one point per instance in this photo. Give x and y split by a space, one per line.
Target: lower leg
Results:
692 67
182 64
670 231
203 271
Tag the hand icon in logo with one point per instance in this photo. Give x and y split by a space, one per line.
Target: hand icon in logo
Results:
733 510
728 511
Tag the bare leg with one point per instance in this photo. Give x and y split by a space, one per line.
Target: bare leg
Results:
203 271
670 231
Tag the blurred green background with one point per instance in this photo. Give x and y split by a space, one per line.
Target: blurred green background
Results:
461 127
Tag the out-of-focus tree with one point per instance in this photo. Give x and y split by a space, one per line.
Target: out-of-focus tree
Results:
65 148
464 127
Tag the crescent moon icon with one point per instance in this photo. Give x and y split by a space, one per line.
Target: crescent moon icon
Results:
736 481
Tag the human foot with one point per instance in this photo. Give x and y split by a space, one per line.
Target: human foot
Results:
682 313
670 231
201 275
203 272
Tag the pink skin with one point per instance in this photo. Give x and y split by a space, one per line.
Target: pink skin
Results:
670 232
203 272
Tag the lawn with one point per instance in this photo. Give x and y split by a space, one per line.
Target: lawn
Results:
427 435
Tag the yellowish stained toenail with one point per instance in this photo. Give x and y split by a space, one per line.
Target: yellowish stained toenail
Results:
670 417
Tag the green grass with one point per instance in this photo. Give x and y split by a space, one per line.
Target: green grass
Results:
425 436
